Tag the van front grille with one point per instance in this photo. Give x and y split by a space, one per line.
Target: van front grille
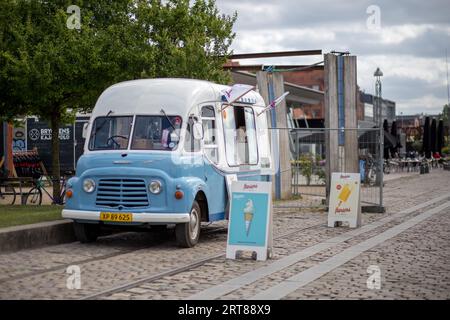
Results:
128 193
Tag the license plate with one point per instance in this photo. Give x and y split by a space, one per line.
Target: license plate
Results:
116 217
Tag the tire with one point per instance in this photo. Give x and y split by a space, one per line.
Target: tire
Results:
86 232
187 234
7 195
34 197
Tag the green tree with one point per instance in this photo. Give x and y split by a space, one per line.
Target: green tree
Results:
445 115
50 70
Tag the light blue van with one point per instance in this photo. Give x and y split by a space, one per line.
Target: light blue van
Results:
160 152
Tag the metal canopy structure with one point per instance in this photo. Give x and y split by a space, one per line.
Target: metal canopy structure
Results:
275 54
297 93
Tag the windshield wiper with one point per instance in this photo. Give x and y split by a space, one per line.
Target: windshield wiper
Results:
170 122
103 123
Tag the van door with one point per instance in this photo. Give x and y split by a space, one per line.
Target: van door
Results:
213 178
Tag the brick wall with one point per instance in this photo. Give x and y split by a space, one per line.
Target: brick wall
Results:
314 79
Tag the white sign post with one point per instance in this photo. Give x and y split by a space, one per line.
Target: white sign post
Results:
250 221
345 202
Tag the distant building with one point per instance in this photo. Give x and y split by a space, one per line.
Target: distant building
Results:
371 112
412 125
314 78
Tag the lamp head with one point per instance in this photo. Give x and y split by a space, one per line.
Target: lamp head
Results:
378 73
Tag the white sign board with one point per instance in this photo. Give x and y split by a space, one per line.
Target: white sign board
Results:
345 202
250 221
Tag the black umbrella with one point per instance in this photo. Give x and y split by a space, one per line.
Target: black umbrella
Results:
433 141
369 140
426 138
394 149
440 136
386 146
385 125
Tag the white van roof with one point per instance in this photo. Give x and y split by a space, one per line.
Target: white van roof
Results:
149 96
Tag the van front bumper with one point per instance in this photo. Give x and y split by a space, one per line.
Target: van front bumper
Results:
137 217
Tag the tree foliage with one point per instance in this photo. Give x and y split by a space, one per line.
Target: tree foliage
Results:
52 71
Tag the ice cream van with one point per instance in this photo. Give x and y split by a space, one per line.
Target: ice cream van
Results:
162 152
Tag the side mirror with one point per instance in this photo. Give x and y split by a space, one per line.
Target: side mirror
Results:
85 127
197 130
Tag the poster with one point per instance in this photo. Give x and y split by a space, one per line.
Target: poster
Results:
345 204
250 221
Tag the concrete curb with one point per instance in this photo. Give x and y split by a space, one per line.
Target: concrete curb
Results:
36 235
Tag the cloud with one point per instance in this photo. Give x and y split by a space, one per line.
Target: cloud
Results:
409 47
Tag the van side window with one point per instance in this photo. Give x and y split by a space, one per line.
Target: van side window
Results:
190 144
210 134
240 136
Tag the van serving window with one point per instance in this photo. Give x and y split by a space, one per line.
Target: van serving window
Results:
156 133
240 136
110 133
210 134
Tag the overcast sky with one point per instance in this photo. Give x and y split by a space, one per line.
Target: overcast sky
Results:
408 44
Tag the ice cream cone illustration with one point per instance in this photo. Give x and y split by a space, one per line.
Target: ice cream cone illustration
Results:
248 215
344 194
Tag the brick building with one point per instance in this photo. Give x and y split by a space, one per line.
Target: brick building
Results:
314 79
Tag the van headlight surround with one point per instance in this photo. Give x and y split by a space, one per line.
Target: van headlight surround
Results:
155 187
88 185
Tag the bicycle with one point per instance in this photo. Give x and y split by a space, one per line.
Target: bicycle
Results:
370 171
34 196
7 192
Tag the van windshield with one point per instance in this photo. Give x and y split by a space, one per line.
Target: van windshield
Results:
156 133
110 133
149 133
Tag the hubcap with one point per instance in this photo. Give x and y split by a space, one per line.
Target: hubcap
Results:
193 224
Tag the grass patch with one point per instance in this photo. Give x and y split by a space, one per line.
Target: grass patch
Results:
20 215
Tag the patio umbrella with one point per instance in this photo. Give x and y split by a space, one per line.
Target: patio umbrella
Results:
440 136
385 125
426 138
369 140
433 141
394 149
386 146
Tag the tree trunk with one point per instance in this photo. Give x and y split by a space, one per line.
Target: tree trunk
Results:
55 122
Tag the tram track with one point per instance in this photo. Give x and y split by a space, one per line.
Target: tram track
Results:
180 269
199 262
159 241
170 271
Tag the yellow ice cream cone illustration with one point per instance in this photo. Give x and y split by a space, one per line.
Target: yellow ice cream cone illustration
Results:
344 194
248 215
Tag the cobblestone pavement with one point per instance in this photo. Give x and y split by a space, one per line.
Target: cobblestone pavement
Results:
413 264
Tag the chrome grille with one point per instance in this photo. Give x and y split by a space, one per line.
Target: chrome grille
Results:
122 192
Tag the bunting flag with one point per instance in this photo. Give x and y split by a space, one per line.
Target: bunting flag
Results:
236 92
275 102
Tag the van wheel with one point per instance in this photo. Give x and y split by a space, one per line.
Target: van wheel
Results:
187 234
86 232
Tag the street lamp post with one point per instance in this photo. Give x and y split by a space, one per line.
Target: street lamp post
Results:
378 74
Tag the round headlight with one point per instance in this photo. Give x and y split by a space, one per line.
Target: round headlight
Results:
88 185
155 187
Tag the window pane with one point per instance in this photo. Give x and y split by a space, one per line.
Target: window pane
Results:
229 127
190 144
208 111
209 139
251 136
110 133
240 136
156 133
